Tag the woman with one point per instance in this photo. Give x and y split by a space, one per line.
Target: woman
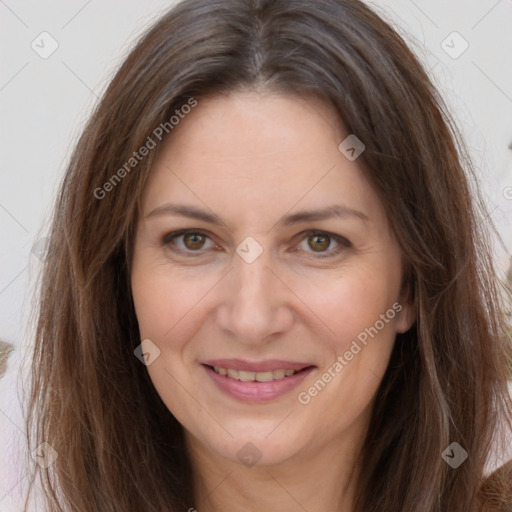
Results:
270 288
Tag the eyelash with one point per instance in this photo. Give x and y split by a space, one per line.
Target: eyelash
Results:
343 242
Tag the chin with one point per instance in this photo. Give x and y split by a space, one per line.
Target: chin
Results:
253 445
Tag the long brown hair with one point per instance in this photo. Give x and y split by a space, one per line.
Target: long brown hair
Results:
119 446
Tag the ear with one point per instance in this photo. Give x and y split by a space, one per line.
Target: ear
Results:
406 311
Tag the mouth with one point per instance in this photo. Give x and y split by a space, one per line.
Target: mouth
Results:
256 382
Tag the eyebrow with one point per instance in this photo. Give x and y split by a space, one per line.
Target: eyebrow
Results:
193 212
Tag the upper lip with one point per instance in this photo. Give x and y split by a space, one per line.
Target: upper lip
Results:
268 365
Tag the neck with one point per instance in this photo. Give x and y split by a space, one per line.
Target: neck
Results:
314 481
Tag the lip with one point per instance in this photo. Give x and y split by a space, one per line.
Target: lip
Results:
257 392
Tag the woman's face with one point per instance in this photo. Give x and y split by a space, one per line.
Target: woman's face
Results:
289 264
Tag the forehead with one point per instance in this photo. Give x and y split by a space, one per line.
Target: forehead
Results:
250 126
260 153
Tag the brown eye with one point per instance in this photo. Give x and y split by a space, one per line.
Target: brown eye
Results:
193 240
184 241
323 245
319 243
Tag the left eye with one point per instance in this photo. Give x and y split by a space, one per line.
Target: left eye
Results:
320 241
317 241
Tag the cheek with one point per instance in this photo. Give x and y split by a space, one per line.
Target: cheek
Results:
352 302
168 307
170 304
355 360
361 308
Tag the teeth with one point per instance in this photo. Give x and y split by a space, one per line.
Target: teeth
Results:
246 376
264 376
220 370
233 373
279 374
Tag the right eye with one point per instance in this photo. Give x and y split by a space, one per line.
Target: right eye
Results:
185 241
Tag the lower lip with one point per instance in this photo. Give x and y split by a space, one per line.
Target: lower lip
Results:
257 391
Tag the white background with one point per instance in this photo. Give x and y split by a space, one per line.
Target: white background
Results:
44 103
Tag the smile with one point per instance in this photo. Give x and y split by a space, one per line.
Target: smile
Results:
256 382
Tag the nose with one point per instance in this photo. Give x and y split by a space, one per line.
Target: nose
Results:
256 304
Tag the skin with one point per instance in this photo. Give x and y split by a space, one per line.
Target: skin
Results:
252 158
